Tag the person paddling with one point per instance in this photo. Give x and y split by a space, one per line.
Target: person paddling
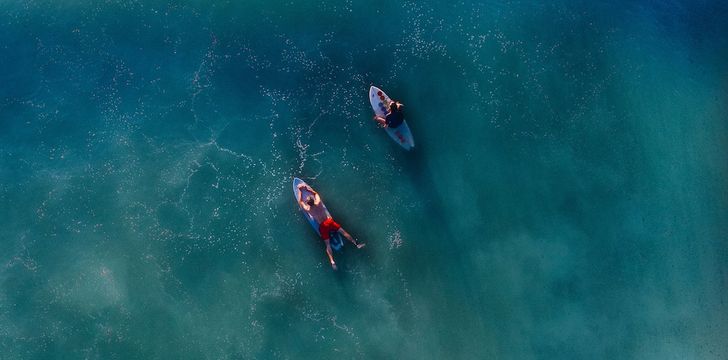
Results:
312 204
394 117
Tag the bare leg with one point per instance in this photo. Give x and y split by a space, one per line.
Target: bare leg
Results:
330 254
348 237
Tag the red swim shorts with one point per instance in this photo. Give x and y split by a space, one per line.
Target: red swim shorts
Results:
328 226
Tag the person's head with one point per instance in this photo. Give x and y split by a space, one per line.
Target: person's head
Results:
393 106
309 200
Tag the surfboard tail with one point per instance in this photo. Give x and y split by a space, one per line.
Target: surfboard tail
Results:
336 242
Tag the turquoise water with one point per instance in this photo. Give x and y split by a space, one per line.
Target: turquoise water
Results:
567 198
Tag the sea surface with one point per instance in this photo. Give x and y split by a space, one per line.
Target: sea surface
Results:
567 197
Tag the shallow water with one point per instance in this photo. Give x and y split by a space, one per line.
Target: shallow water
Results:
566 198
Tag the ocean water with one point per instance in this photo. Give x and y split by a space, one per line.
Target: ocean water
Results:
567 198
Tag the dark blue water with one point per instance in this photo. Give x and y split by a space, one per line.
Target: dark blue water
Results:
567 198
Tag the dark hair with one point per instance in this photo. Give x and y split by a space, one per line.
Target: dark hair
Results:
310 201
393 106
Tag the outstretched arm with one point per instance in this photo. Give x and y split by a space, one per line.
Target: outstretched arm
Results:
330 254
348 237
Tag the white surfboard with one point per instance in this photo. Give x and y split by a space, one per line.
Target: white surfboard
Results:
336 241
380 103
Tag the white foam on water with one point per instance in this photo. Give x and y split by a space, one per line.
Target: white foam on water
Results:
395 240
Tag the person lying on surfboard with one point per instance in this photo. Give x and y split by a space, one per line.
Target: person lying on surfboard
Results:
312 205
394 117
